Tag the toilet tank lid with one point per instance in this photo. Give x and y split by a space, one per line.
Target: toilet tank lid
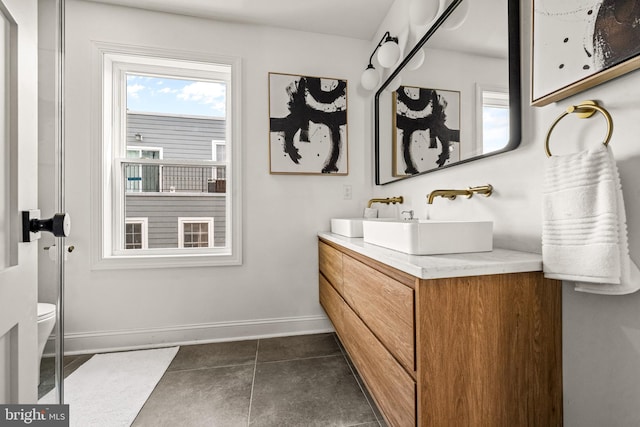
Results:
45 309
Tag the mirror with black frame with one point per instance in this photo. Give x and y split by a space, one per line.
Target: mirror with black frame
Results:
462 102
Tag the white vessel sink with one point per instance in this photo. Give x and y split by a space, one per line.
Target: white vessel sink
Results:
430 237
351 227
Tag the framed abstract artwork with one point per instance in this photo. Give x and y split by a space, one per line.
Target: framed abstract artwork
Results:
307 125
426 129
579 44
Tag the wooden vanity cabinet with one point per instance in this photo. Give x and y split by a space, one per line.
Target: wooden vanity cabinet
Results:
465 351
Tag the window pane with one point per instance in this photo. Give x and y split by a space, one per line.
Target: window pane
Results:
220 153
150 154
196 234
133 236
495 120
175 96
173 119
495 128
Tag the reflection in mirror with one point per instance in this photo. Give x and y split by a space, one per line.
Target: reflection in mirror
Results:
425 129
492 107
462 103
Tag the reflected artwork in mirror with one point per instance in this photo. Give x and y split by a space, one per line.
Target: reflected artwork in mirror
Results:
426 129
462 103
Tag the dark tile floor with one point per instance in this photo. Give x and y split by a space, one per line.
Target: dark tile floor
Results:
302 380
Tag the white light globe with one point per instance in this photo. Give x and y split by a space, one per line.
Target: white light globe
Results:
369 79
457 18
394 85
417 61
388 54
423 12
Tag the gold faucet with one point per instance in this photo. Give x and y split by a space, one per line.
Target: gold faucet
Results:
386 201
485 190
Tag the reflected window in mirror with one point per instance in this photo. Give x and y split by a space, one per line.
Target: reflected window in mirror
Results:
493 118
475 66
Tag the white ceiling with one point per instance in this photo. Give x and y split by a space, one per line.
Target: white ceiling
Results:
350 18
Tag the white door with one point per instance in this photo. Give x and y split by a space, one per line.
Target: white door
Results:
18 192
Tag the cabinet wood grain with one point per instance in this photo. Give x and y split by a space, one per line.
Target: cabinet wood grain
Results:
397 275
492 344
385 305
466 351
330 260
391 387
332 304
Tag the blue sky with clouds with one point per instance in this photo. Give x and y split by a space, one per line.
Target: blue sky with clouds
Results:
175 96
496 128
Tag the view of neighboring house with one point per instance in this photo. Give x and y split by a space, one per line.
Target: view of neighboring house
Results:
174 206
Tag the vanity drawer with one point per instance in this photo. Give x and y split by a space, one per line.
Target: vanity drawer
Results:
385 305
392 388
330 261
333 304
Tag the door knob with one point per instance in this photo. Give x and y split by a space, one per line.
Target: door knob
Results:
59 225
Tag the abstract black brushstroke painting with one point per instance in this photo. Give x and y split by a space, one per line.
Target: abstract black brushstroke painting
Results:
582 43
307 125
426 129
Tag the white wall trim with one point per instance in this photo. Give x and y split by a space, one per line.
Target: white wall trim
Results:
134 339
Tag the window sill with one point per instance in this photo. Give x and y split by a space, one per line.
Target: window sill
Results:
124 262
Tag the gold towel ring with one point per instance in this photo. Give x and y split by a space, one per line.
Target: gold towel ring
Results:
584 110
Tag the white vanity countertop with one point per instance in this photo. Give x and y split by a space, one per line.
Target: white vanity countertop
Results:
498 261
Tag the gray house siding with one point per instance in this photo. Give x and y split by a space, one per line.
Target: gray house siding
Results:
164 193
163 211
180 137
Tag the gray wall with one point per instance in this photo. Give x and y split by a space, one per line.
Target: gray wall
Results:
163 210
180 137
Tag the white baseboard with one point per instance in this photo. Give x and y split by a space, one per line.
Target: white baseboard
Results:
133 339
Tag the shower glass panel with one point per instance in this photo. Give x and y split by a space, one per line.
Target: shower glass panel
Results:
51 197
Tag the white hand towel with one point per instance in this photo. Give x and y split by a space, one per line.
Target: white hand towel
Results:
584 233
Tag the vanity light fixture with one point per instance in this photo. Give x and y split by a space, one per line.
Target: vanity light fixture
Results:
388 54
370 78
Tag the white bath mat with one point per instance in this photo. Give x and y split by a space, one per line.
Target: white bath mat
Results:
110 389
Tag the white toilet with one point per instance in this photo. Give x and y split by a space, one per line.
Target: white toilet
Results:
46 321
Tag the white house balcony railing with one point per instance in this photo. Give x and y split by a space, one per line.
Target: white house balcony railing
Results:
162 176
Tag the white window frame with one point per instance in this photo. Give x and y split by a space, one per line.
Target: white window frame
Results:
145 230
194 220
111 62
